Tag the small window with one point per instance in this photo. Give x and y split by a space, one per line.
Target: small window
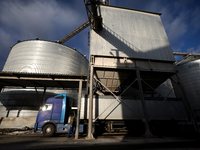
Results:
47 107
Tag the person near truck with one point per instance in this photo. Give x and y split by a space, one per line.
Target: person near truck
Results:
72 125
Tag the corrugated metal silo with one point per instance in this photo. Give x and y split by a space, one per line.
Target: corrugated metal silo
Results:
36 56
189 72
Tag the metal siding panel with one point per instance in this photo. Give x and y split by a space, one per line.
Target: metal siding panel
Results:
128 33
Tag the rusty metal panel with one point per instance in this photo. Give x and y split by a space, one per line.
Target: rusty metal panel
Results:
131 33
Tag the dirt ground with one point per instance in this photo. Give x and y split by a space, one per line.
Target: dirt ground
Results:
115 141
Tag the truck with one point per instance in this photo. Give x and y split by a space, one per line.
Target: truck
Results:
53 116
109 115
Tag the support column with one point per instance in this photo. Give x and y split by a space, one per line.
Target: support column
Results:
1 87
40 104
188 107
148 132
78 109
43 96
90 134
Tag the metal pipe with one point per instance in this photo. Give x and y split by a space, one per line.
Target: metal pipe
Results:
78 110
185 54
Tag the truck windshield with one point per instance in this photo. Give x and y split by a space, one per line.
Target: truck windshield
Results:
46 107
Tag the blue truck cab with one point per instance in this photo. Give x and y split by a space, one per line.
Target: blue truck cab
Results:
53 116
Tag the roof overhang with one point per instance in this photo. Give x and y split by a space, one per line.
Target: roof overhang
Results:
148 12
24 79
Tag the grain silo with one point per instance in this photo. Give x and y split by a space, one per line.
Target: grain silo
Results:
39 58
189 71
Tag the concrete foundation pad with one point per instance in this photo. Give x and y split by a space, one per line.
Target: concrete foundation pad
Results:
17 122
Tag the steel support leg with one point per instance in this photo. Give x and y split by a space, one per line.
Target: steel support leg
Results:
78 110
148 132
90 134
38 97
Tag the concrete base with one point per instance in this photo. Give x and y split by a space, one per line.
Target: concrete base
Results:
90 137
17 122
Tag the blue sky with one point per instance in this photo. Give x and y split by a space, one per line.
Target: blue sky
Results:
53 19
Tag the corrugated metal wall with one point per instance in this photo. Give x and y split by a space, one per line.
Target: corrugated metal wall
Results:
129 33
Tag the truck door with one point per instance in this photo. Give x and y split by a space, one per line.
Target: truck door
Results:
57 107
45 113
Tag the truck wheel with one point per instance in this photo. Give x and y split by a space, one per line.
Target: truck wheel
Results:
48 130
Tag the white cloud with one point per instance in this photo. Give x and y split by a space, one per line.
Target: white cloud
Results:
193 50
37 18
177 28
